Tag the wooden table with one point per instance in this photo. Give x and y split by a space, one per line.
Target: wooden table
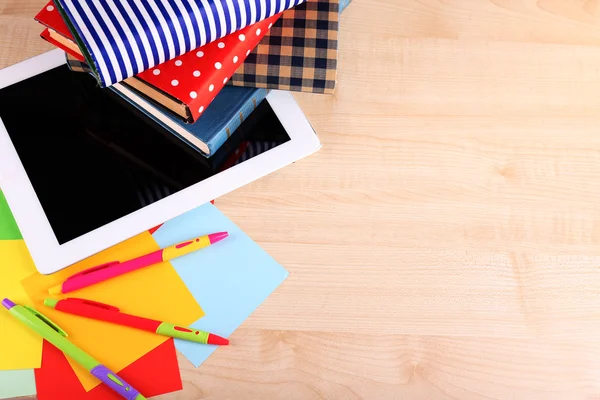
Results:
445 242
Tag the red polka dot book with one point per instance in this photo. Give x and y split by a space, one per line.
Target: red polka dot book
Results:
185 85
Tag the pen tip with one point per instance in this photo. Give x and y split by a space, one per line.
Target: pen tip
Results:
8 304
217 237
218 340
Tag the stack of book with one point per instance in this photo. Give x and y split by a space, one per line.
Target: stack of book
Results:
169 61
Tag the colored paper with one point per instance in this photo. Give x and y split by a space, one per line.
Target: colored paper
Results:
8 226
120 48
155 292
344 4
230 278
20 348
155 373
299 53
152 230
17 383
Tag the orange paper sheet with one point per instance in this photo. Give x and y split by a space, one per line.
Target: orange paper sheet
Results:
154 292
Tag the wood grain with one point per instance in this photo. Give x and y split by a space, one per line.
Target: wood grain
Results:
445 242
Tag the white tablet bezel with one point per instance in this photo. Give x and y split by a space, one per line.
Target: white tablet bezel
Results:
49 256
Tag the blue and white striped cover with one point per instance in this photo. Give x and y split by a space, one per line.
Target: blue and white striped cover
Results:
125 37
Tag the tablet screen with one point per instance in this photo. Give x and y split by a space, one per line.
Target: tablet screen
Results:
92 158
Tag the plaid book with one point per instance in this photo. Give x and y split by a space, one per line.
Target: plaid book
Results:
299 53
76 65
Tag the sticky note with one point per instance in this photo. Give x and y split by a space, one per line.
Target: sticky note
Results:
230 278
17 383
20 347
8 226
155 292
154 374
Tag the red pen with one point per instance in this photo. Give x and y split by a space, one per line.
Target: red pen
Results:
104 312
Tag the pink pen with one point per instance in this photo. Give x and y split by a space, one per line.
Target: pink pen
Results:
113 269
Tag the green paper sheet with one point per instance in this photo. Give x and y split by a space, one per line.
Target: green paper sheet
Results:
8 226
17 383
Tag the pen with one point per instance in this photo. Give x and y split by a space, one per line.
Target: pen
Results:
103 272
108 313
54 334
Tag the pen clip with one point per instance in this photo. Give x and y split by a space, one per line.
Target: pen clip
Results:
92 303
94 269
47 321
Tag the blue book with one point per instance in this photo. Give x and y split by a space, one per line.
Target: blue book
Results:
218 122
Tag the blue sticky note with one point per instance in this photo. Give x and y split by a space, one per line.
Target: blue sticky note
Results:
228 279
343 5
17 383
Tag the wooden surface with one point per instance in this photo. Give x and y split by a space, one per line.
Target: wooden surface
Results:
445 242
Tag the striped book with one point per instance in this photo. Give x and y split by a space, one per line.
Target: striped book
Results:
184 86
120 39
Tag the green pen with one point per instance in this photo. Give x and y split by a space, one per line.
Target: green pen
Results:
55 335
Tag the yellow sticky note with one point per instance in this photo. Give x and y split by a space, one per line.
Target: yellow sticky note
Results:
20 347
155 292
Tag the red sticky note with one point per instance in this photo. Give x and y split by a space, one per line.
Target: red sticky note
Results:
152 230
154 374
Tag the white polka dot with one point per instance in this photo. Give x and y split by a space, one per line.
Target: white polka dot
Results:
218 65
242 37
270 25
193 95
235 59
201 109
211 88
174 82
179 63
247 53
200 54
196 73
50 8
224 81
258 32
221 45
156 71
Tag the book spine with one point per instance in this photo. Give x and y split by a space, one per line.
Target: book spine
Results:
79 40
47 36
236 120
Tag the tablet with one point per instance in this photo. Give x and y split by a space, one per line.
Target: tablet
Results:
83 170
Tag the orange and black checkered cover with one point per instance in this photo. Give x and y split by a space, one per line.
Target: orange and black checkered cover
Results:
299 53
